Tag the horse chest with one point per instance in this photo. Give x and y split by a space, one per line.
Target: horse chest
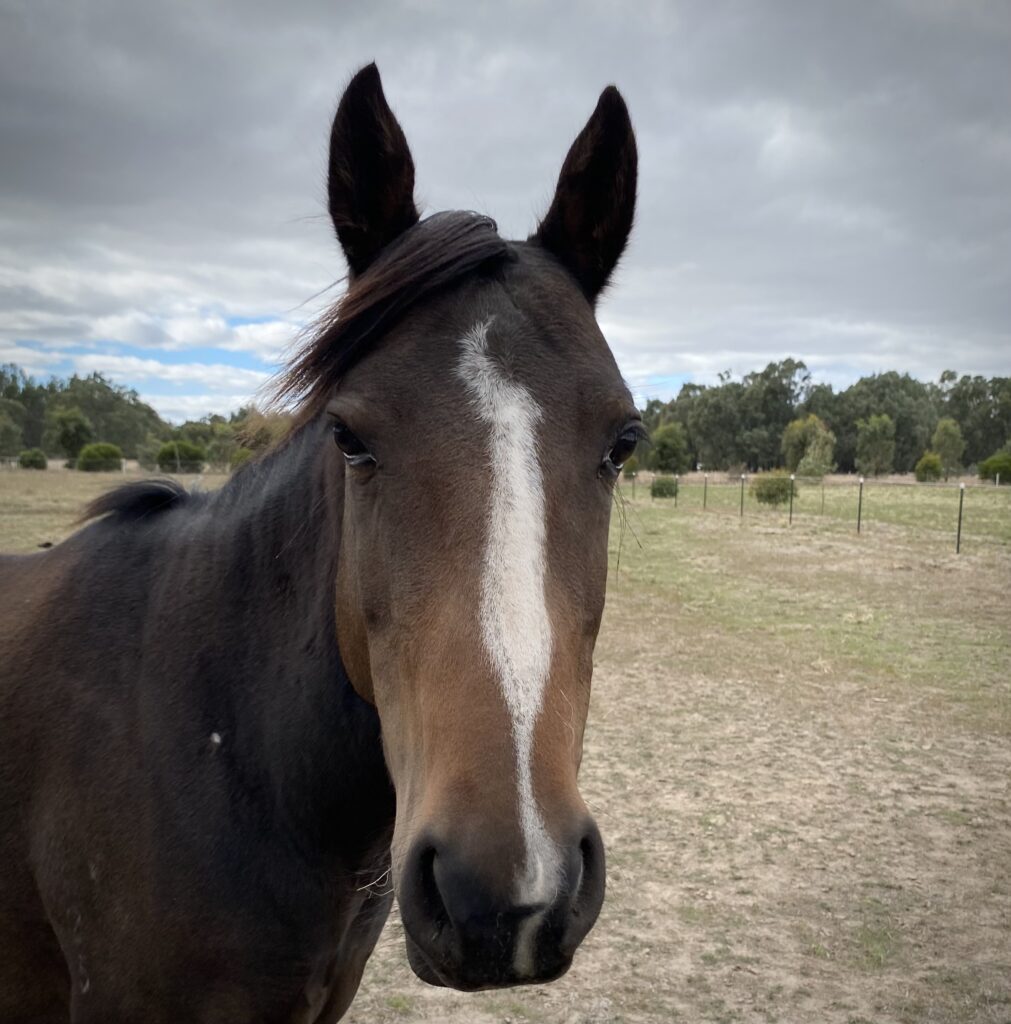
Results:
219 970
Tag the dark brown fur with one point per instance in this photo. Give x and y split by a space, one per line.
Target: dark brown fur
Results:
229 720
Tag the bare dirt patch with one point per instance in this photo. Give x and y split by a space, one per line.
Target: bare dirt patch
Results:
799 753
799 757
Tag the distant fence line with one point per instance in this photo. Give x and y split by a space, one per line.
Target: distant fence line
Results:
854 499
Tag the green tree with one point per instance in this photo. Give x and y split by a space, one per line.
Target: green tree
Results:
808 440
948 443
10 435
875 445
116 413
817 460
714 422
909 404
670 449
769 401
982 409
73 431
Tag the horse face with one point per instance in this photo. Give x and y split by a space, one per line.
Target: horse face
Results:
480 440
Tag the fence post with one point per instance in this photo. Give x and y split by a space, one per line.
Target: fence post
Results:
958 535
742 495
677 487
633 486
860 503
705 491
792 478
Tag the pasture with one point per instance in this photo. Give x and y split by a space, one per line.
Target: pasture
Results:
798 752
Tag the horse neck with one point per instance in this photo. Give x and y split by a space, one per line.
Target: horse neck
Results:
311 746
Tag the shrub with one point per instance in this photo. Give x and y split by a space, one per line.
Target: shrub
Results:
772 488
240 457
181 457
630 468
998 463
100 457
929 468
33 458
664 487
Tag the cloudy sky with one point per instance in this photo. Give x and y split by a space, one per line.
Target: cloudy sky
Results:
825 180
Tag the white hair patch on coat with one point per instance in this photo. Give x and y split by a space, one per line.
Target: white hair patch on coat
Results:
515 626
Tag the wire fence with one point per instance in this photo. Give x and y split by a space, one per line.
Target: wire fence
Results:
962 513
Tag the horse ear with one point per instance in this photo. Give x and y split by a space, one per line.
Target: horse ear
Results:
370 187
590 217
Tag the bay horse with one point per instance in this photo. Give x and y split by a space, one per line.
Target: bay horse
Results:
235 724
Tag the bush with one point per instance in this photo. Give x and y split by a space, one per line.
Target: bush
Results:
33 458
772 488
240 457
664 487
998 463
630 468
181 457
100 457
929 468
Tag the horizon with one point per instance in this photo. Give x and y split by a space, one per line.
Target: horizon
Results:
267 404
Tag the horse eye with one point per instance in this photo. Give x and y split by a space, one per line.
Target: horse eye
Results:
623 448
355 452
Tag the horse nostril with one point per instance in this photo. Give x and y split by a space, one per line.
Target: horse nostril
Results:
428 890
587 892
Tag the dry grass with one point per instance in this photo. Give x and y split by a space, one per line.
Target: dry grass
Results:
799 757
40 508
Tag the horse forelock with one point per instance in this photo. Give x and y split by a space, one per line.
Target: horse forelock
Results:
433 254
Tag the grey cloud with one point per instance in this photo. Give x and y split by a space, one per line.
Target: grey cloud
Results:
821 180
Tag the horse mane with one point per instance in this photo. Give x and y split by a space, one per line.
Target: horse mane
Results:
137 500
431 255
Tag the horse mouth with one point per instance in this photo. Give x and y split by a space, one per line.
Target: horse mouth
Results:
422 966
474 977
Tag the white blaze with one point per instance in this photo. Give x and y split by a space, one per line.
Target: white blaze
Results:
514 617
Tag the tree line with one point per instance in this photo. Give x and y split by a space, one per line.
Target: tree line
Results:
61 418
778 417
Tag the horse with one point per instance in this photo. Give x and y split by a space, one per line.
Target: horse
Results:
235 724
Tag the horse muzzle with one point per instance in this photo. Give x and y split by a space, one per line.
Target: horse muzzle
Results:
466 930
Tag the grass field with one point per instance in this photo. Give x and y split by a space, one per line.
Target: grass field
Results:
932 509
799 753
